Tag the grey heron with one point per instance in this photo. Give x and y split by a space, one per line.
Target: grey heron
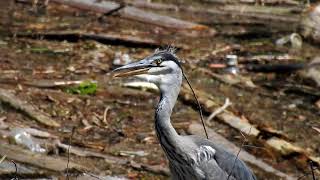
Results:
190 157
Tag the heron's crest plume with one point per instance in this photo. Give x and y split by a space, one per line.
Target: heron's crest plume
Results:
168 49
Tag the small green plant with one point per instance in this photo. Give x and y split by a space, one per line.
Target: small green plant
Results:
84 88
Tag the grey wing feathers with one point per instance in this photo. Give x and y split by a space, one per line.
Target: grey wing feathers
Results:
225 160
208 166
205 153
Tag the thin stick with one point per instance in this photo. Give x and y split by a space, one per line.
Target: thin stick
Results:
306 174
252 146
218 111
73 129
242 145
3 158
199 105
112 11
92 175
312 171
16 172
105 113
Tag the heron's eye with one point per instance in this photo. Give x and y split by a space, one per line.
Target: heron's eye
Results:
158 62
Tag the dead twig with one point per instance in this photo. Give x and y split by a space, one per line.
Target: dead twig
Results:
251 146
111 12
312 170
242 145
316 129
218 111
198 103
3 158
16 170
306 174
105 113
92 175
70 139
86 124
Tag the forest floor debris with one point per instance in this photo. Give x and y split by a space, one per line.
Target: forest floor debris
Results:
112 131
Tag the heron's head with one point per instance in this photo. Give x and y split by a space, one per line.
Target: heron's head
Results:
161 68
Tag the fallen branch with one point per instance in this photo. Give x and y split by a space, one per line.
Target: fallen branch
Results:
276 68
256 17
8 171
114 160
133 13
294 88
14 101
114 39
286 148
36 159
283 147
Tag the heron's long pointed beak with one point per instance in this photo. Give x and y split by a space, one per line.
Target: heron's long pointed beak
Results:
135 68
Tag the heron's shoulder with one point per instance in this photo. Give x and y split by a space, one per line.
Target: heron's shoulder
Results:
200 142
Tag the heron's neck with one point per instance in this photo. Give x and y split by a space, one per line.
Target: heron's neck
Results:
167 135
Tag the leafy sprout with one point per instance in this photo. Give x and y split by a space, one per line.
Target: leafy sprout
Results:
84 88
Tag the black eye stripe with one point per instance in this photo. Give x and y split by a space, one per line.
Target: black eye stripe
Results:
165 56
